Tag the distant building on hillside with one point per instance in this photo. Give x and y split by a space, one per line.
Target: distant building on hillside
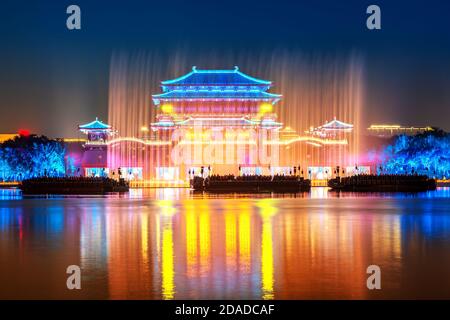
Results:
383 130
7 136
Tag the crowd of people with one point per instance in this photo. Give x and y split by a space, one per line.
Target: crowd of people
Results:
251 183
252 177
227 177
278 177
383 179
70 181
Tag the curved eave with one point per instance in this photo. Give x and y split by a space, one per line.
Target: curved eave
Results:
94 125
274 100
157 98
336 125
106 131
271 124
331 128
167 95
337 129
235 71
94 129
260 81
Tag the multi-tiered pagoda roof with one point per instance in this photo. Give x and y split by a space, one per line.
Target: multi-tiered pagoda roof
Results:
336 125
96 125
216 98
333 127
215 85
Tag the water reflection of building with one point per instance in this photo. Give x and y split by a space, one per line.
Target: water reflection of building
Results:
251 249
167 263
129 248
267 211
93 246
232 248
213 252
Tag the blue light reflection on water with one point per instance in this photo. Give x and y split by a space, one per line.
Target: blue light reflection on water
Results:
181 193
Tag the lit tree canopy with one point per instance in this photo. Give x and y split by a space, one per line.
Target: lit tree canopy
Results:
426 153
31 156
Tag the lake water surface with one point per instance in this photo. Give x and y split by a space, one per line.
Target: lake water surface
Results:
173 244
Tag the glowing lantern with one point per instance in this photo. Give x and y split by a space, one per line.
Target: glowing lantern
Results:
167 108
265 108
24 132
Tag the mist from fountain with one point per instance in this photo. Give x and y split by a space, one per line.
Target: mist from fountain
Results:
315 88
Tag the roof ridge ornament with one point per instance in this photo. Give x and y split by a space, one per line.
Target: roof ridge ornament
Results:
95 125
232 75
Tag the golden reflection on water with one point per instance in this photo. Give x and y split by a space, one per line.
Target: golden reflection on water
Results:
244 240
267 210
167 271
191 240
181 244
205 239
230 239
144 238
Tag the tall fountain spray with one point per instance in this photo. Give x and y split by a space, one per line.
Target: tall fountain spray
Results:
315 89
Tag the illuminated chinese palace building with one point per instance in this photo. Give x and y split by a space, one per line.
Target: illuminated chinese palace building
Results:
94 161
217 122
332 129
219 119
326 144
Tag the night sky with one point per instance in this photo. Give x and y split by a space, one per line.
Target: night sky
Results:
51 77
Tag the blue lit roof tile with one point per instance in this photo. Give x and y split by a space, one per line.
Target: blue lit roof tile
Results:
95 125
216 94
216 77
